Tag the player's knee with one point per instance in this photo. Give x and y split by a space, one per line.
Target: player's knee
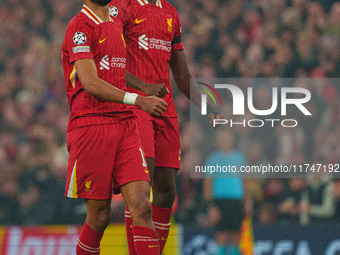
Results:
142 210
164 187
103 219
166 194
168 198
103 222
170 193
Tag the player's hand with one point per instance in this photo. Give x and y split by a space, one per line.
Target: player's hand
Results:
159 90
151 104
212 117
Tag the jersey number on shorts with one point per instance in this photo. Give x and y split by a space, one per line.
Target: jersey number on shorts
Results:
143 157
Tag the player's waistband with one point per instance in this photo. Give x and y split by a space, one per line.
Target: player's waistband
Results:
98 119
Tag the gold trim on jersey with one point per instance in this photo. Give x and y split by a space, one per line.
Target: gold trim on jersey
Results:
87 11
73 76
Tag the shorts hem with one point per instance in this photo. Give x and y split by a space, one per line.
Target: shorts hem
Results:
177 167
89 197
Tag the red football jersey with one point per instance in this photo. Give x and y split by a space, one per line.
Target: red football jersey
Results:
151 32
88 37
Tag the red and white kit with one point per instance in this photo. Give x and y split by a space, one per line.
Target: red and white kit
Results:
152 32
97 128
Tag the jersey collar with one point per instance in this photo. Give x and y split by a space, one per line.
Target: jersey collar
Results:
87 11
144 2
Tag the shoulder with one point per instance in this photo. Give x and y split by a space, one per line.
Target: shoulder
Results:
80 31
124 10
169 7
118 6
80 22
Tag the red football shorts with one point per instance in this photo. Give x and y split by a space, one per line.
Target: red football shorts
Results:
102 158
160 139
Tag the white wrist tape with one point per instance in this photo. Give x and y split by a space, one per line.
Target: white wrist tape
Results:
130 98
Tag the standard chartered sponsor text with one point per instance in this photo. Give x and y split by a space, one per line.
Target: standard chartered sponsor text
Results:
159 44
118 62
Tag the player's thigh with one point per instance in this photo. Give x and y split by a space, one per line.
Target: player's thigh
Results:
146 130
151 167
130 163
164 187
91 160
167 143
164 180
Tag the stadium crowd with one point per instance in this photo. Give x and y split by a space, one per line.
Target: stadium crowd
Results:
254 38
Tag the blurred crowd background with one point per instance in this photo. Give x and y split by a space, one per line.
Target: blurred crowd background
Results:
254 38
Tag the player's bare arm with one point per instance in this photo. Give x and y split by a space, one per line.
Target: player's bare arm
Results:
156 89
182 78
93 85
151 104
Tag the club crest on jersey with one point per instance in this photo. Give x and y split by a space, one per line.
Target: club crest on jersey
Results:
113 11
88 186
79 38
169 24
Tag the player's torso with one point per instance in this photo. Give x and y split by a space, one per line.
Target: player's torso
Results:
108 47
149 31
110 53
149 35
106 43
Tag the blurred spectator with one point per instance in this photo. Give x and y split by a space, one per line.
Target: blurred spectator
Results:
9 205
317 202
267 214
226 191
336 193
273 192
289 208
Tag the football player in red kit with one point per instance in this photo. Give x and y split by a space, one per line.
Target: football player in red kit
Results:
105 152
152 31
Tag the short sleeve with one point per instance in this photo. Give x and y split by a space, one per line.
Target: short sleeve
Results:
78 41
176 43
